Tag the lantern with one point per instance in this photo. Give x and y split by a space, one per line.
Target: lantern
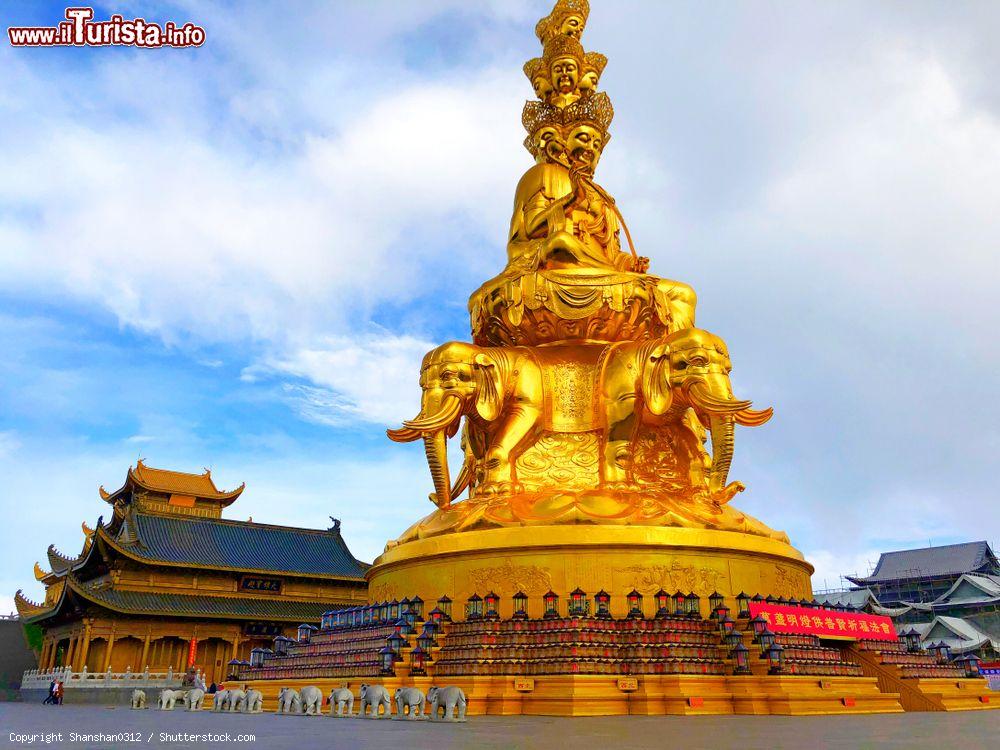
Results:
715 600
727 625
732 638
934 649
492 602
444 604
945 650
551 602
380 612
782 601
520 606
602 605
741 657
418 658
769 599
805 604
634 600
417 607
432 627
679 608
407 613
776 659
766 640
972 663
234 669
388 657
281 645
257 657
793 602
392 613
742 605
474 607
577 602
426 639
402 626
756 625
912 638
436 616
693 604
404 604
396 643
304 631
662 601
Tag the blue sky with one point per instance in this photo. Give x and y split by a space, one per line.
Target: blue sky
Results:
235 256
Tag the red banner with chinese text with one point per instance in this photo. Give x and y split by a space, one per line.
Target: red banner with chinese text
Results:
192 652
825 623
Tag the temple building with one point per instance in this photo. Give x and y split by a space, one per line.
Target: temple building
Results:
168 583
927 573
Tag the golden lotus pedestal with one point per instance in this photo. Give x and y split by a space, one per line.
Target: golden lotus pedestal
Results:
617 559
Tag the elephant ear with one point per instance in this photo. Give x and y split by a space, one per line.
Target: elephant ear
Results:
655 379
488 387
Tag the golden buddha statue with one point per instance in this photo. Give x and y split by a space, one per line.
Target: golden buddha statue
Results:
587 395
595 419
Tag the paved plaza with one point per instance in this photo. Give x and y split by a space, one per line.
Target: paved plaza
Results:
941 731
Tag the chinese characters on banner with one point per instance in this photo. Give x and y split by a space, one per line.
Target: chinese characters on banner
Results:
824 622
192 652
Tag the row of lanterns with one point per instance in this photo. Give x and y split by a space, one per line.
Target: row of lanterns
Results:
385 612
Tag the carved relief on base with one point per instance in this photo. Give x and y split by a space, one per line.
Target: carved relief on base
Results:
509 578
648 579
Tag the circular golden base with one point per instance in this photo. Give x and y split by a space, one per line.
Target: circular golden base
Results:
535 559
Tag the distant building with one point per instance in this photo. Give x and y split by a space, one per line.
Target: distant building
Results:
168 583
925 574
949 593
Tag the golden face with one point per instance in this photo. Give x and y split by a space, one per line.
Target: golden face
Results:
564 73
589 81
541 85
547 143
572 26
584 145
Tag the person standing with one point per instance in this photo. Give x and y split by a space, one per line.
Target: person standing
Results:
59 692
51 697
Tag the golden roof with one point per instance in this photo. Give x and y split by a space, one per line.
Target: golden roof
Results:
175 483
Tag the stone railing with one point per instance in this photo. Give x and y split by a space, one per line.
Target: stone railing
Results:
34 679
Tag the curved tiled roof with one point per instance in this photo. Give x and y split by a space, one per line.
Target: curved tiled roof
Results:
929 562
239 546
174 483
179 605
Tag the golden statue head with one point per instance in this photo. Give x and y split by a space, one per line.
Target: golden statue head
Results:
585 123
534 71
593 66
563 60
568 18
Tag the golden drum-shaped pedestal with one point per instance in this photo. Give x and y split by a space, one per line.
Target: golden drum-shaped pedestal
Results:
592 557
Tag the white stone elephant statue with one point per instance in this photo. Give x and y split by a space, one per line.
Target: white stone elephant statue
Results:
449 699
375 696
343 698
312 700
253 702
219 700
409 698
234 699
138 699
170 697
195 699
289 701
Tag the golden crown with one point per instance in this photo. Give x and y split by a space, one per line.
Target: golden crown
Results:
550 26
562 46
538 114
595 110
534 67
595 61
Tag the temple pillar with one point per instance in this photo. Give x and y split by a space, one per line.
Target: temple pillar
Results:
71 652
145 651
84 648
43 655
107 655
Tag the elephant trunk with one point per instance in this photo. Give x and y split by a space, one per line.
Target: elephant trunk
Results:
721 426
436 448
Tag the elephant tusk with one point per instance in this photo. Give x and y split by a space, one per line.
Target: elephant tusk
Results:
701 396
753 417
402 435
450 409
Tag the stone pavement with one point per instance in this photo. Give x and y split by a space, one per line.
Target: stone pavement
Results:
973 730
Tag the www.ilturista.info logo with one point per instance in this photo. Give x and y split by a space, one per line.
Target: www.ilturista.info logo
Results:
80 30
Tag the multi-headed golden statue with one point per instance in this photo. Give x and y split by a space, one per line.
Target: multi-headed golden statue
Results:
588 395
